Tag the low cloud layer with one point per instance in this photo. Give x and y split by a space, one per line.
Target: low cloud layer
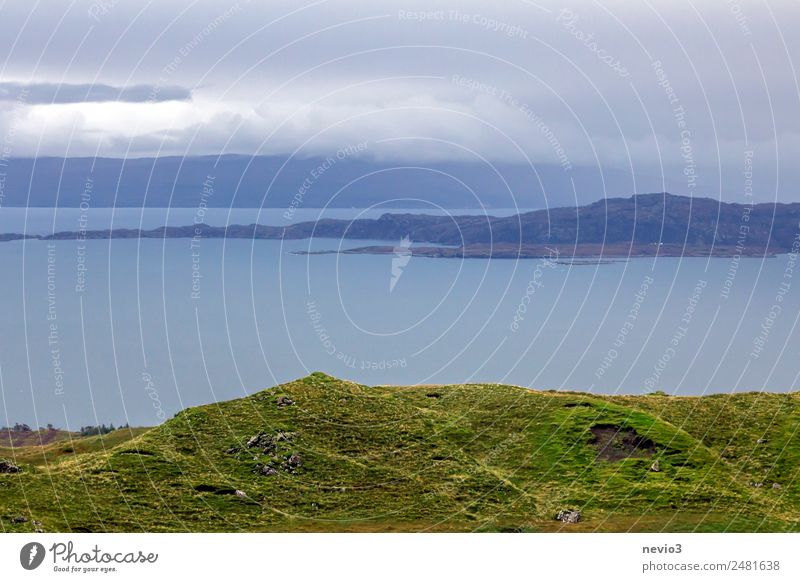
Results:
681 89
53 93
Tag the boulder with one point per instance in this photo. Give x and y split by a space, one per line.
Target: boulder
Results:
569 516
8 467
776 485
284 401
19 519
266 470
655 467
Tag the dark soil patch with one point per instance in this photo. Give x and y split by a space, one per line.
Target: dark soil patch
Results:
576 404
206 488
615 443
137 452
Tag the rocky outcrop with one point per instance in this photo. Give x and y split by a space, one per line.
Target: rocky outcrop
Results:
273 451
267 443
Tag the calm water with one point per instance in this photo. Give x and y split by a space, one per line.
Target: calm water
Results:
132 331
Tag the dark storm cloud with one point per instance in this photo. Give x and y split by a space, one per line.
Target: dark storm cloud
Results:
49 93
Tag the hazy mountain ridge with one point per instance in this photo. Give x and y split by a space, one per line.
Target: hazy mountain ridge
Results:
348 180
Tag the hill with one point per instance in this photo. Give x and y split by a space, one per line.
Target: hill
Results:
644 219
322 454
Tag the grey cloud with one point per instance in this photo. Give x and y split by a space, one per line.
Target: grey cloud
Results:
49 93
272 77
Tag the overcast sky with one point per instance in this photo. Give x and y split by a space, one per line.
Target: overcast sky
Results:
680 88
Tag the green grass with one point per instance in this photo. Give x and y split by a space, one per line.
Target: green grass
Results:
62 445
423 458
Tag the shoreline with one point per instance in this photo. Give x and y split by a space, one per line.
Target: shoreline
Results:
558 253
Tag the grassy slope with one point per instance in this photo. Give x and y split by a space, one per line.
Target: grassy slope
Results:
15 438
62 445
445 458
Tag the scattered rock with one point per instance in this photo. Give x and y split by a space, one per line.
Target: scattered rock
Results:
38 530
267 443
8 467
36 523
284 401
240 493
433 395
266 469
263 441
293 462
655 467
761 441
19 519
756 484
233 450
776 485
257 440
569 516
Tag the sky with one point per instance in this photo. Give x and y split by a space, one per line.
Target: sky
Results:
702 95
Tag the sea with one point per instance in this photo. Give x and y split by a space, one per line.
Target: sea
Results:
132 331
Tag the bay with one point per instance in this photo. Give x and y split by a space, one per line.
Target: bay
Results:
135 330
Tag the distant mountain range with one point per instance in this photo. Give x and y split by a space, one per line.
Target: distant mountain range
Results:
645 224
306 182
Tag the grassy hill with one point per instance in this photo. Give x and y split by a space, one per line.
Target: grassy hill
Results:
322 454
